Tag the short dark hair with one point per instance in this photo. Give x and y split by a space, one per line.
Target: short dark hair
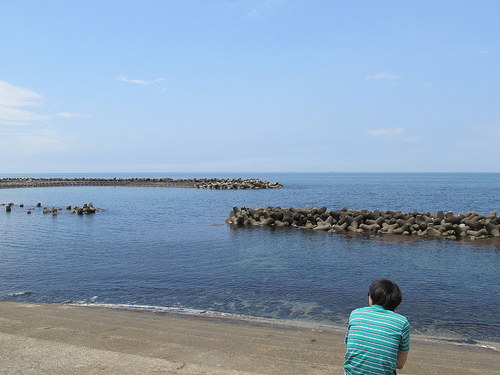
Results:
385 293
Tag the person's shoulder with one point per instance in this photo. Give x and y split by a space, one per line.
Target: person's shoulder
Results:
360 310
400 317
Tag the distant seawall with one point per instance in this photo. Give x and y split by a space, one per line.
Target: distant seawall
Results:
470 225
196 183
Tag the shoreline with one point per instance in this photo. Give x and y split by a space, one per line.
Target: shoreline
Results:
425 334
337 329
61 339
210 315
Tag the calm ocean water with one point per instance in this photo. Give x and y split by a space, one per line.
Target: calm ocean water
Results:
171 247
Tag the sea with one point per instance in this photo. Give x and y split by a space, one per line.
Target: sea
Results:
171 247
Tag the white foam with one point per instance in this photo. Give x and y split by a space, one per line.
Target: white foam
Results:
211 314
17 294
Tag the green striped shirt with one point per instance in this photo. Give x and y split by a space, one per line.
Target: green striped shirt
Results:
374 338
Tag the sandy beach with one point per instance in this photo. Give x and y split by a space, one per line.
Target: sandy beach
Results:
67 339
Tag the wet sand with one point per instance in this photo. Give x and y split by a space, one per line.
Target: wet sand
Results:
67 339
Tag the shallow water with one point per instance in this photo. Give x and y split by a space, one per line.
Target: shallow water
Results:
171 247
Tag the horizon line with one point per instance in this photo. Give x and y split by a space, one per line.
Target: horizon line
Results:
255 172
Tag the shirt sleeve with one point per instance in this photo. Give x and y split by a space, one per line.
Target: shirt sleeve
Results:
347 331
404 345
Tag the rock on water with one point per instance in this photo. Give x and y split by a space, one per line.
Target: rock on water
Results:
469 225
86 209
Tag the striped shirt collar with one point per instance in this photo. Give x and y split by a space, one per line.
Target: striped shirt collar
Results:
379 308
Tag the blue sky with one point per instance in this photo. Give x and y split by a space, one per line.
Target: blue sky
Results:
249 86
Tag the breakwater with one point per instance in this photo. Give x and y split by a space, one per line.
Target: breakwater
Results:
469 225
196 183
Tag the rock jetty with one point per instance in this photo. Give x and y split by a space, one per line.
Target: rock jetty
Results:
197 183
469 225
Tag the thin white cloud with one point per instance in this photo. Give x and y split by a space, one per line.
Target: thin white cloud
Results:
139 81
13 100
17 106
17 116
386 132
484 51
483 139
485 127
14 96
68 115
383 76
427 84
412 138
32 142
261 6
395 134
23 128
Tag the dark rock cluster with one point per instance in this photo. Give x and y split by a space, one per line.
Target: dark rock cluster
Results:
86 209
469 225
237 183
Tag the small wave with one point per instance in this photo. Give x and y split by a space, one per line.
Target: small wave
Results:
209 314
91 300
462 341
467 324
18 294
495 348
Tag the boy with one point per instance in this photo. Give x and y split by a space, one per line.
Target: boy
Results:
377 339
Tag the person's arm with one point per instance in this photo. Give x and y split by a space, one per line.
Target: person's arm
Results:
402 359
404 346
